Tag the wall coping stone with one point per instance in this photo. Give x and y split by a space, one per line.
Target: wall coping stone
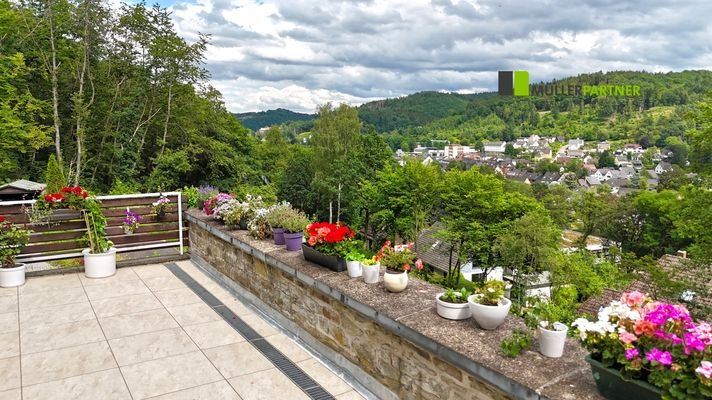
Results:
411 315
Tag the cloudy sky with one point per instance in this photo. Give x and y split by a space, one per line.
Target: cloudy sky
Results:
297 54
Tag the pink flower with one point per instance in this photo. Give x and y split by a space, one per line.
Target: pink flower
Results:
631 353
419 264
633 299
627 337
662 357
705 369
693 343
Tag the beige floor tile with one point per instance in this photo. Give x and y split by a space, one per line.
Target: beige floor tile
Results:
266 385
104 385
64 363
178 297
236 306
213 391
115 289
8 303
52 297
8 322
10 373
134 324
11 291
50 282
122 274
192 314
288 347
9 344
324 377
260 325
157 283
352 395
213 334
153 378
125 305
12 394
60 336
150 346
56 315
153 270
238 359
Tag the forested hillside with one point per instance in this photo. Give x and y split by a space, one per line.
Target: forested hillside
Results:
262 119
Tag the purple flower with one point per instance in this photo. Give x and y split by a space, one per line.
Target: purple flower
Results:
693 343
631 353
662 357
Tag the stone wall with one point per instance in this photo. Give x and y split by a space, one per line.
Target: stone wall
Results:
396 339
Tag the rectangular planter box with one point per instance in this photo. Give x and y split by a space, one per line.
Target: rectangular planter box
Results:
332 262
613 386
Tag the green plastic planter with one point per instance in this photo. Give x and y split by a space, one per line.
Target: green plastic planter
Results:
614 386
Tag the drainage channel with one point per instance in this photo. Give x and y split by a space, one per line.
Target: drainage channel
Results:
289 368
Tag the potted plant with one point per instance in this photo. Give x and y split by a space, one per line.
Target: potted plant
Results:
490 308
398 260
293 225
275 218
644 349
452 304
321 246
546 317
370 268
160 205
352 251
12 239
233 213
131 222
62 205
100 257
212 204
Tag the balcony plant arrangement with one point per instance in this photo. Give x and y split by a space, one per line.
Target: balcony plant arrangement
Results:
293 225
546 317
233 213
130 222
12 239
211 205
160 206
100 257
276 216
321 246
65 204
370 269
452 304
644 349
489 308
398 260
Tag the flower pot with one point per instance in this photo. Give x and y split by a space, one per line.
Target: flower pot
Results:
14 276
614 386
99 265
452 310
354 268
552 341
242 224
489 317
293 240
395 281
128 231
332 262
278 235
370 272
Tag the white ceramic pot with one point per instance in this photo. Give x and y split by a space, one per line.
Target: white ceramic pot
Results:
551 342
12 277
489 317
395 281
354 268
452 310
370 272
101 265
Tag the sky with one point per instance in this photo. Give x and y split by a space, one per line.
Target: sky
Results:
298 54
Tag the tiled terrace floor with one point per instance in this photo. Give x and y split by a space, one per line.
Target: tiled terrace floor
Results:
140 334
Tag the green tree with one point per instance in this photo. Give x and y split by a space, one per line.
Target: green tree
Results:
295 186
54 177
606 160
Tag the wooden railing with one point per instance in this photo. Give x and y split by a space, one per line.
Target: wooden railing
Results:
62 236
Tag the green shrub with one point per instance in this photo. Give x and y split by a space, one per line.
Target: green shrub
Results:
54 176
190 196
516 343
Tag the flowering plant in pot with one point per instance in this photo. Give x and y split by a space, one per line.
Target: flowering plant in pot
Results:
131 221
293 225
452 303
321 246
489 308
398 260
370 269
100 257
12 239
646 349
160 205
233 213
211 204
257 225
276 215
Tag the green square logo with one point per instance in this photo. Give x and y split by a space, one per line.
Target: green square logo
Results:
521 83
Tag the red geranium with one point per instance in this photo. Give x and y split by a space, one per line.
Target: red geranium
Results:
54 198
72 197
323 236
2 219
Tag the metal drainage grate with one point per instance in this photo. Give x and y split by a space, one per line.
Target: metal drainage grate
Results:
290 369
